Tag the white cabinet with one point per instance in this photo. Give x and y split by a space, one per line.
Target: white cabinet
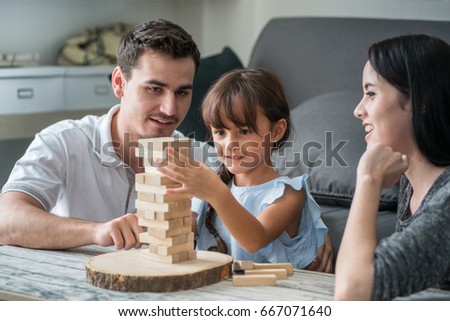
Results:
88 87
26 90
31 89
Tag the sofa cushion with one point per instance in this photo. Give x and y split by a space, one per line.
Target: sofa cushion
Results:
327 142
335 218
210 69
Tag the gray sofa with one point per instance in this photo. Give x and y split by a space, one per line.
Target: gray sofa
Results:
320 62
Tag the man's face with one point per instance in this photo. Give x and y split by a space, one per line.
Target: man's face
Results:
156 97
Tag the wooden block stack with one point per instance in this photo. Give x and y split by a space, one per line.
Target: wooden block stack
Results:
166 217
248 273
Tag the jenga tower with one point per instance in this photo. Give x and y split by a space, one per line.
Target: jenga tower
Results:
166 217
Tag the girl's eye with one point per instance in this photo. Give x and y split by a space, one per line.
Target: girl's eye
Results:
218 132
245 131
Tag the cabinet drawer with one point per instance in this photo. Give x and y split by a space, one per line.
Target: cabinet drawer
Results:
31 90
89 87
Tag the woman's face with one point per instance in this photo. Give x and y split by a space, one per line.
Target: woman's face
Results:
385 113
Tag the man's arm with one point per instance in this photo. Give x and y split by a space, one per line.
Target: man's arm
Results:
23 222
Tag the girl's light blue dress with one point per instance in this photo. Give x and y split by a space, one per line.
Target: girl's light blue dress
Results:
300 250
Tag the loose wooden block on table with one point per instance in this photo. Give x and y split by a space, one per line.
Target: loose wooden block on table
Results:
241 265
255 280
280 274
137 271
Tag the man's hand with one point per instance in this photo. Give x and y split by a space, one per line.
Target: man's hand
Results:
324 261
122 232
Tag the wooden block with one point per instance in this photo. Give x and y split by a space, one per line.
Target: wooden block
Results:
161 154
169 241
164 207
161 143
163 216
162 198
170 250
146 197
155 189
287 266
255 280
164 233
242 265
153 171
239 265
150 154
145 178
175 258
279 273
169 224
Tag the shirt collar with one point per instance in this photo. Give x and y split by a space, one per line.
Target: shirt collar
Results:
103 144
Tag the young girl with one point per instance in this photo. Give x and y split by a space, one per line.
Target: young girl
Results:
248 210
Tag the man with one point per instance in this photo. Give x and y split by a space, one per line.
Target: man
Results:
75 184
76 180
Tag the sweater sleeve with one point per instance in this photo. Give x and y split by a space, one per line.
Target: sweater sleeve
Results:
418 257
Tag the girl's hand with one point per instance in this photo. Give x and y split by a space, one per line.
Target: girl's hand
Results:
382 164
196 178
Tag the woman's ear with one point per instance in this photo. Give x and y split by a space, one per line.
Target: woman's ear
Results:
279 129
118 82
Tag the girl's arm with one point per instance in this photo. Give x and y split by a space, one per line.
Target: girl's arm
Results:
379 167
251 233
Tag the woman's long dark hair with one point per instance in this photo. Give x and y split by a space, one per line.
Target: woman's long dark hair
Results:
419 67
238 96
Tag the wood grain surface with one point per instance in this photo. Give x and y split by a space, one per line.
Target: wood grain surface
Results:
136 271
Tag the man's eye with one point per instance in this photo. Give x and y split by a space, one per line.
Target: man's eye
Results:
182 92
154 89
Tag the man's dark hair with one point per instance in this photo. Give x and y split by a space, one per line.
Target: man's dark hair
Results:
161 36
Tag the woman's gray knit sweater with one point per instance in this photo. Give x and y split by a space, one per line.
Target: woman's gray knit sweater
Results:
417 255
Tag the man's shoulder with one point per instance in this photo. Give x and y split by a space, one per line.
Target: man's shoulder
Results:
84 125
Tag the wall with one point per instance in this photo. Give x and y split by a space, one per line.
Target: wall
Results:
43 25
239 22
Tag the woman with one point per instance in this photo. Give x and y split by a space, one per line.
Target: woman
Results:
406 114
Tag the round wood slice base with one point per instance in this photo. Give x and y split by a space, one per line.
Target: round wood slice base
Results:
135 271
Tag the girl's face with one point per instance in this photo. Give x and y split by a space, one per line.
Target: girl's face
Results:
385 113
243 150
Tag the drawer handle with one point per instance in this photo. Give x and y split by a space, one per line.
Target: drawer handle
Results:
25 93
101 90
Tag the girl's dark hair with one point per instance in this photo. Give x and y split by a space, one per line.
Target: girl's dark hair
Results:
161 36
237 97
419 67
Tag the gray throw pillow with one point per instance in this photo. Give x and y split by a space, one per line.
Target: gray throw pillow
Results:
327 142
